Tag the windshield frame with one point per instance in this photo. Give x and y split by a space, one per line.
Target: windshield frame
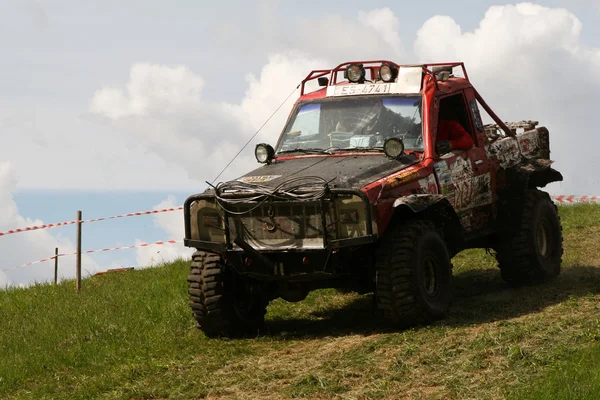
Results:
368 149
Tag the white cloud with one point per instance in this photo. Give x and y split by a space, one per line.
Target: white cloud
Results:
372 35
158 129
162 108
386 24
21 248
172 224
151 88
79 152
278 78
38 14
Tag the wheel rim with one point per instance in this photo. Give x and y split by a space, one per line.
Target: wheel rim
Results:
244 309
249 308
544 239
429 276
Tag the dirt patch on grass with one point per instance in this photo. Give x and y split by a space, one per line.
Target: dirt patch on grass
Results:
276 369
497 338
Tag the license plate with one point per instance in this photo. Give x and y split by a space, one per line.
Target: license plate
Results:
365 88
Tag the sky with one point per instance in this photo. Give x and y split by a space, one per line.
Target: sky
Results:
111 107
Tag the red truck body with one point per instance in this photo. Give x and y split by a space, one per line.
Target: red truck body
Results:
334 206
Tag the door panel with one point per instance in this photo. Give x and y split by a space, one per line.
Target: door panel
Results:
463 175
465 181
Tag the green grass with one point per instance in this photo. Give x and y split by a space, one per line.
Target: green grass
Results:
130 335
578 377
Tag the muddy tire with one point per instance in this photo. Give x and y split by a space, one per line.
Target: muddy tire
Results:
533 253
413 274
219 301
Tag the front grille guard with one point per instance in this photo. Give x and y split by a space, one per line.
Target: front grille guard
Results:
327 243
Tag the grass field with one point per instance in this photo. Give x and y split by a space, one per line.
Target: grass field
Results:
131 336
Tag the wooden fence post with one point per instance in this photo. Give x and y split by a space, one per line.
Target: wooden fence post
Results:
78 264
55 265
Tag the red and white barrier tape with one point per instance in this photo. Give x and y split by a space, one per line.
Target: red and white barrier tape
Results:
135 214
576 199
35 228
48 226
96 251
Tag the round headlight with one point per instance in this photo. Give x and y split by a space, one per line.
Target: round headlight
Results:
355 73
264 153
393 147
387 72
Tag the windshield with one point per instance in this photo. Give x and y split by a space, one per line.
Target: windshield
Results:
353 123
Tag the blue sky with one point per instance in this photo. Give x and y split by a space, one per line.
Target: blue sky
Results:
111 106
55 206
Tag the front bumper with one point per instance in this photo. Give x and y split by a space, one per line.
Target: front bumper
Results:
299 226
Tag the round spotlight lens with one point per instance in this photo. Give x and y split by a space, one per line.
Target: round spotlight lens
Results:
386 74
264 153
355 73
393 147
261 154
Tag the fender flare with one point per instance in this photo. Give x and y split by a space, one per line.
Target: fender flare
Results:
438 209
419 202
533 173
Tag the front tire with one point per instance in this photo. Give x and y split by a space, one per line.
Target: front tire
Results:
532 254
219 300
413 274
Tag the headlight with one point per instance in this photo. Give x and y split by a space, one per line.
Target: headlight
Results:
351 217
206 223
355 73
264 153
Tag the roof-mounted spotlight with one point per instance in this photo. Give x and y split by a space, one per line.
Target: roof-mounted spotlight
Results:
388 72
355 73
264 153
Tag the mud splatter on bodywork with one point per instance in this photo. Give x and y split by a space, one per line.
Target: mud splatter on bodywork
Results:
509 151
428 185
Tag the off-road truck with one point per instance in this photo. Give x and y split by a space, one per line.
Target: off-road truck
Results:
357 195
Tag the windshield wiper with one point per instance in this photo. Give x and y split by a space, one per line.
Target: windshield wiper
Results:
306 151
374 149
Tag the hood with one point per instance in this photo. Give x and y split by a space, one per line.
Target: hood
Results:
345 172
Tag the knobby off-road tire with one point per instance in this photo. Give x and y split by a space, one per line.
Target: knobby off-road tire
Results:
413 274
533 253
219 301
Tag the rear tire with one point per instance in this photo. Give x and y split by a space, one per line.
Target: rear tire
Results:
219 301
413 274
532 254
